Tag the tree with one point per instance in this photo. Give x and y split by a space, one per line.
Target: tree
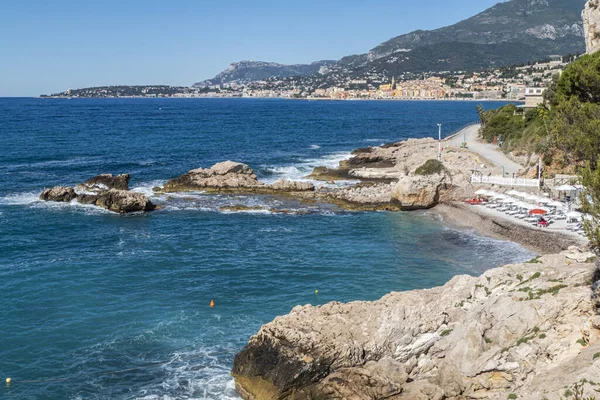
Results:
581 80
590 199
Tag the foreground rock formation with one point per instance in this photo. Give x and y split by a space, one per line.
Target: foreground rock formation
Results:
529 330
591 26
106 191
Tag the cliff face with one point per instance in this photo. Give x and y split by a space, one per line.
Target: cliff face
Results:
531 329
591 26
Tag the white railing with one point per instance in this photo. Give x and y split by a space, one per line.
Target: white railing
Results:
499 180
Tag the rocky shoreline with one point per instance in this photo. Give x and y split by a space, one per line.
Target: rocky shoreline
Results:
528 330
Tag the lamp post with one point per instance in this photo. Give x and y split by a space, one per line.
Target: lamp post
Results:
439 142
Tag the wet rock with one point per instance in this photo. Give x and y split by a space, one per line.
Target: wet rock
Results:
330 174
108 181
123 201
58 193
87 198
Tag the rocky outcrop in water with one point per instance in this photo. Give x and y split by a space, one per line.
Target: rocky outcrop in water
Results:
124 201
58 193
231 177
107 181
102 191
529 330
591 26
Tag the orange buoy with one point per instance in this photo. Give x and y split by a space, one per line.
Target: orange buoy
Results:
212 303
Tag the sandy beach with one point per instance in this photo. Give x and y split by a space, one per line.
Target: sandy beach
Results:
551 240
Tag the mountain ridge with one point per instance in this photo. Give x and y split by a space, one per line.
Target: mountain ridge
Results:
508 33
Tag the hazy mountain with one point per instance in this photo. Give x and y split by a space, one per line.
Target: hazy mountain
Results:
248 71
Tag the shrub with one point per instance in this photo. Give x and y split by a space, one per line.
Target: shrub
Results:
430 167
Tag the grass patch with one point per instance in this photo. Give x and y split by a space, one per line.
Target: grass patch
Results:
524 339
535 260
431 167
512 396
542 336
446 332
596 355
582 341
487 340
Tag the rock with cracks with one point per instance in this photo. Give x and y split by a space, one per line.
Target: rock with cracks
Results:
531 329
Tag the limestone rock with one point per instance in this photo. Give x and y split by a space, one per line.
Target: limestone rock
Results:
108 181
418 192
529 329
221 176
292 186
591 26
58 193
124 201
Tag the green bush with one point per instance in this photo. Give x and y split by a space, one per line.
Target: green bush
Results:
430 167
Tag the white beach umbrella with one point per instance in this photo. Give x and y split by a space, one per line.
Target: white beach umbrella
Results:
482 192
521 195
532 197
512 193
499 196
544 200
508 200
574 214
566 188
556 204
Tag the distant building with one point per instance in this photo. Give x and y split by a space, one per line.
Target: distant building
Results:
534 96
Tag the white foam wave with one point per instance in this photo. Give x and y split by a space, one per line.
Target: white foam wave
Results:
20 199
299 171
375 140
145 188
31 199
315 146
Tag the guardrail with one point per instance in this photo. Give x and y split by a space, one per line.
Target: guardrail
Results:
499 180
459 130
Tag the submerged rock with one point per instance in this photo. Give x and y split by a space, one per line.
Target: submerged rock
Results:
529 329
58 193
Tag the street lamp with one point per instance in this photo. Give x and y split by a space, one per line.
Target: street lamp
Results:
440 142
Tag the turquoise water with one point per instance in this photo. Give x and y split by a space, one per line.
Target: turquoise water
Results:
102 306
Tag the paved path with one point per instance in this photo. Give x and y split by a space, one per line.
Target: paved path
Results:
489 151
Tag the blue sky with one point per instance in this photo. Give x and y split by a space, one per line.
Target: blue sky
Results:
49 46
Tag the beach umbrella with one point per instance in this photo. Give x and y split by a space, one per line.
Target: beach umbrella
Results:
499 196
526 206
574 214
544 200
531 197
556 204
566 188
538 211
482 192
512 193
508 200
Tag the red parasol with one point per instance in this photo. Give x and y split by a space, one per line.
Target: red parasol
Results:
538 211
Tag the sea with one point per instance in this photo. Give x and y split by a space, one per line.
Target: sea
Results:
95 305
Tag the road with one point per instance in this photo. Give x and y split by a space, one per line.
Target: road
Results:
489 151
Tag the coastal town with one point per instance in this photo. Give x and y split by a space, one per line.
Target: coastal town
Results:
518 83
